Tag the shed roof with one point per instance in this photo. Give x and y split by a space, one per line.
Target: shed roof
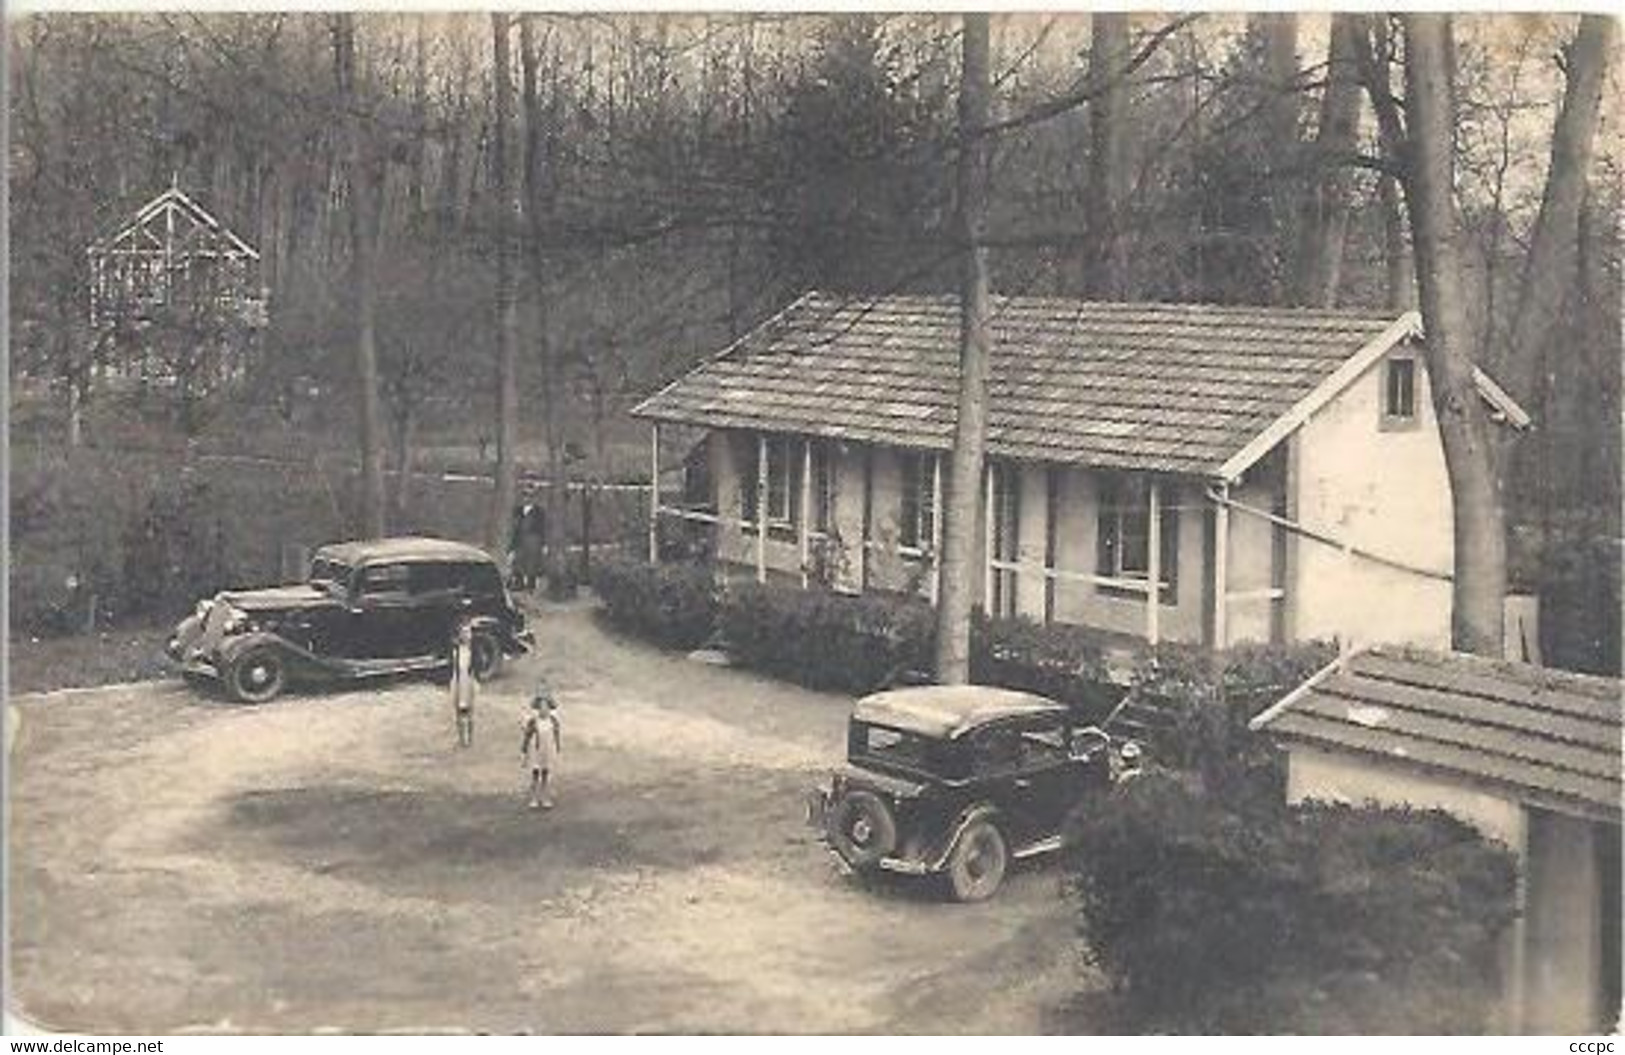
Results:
1550 738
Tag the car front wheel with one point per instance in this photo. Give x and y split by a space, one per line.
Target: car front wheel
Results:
976 866
257 676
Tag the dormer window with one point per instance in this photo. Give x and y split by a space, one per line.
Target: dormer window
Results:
1399 393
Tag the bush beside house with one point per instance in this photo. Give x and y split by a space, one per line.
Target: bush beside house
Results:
859 644
826 640
1213 914
673 605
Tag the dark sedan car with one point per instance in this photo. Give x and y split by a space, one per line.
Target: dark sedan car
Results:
960 780
381 607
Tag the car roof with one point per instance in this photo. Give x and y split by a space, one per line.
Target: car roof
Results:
949 711
405 549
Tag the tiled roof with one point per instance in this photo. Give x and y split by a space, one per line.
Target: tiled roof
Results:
1163 387
1551 737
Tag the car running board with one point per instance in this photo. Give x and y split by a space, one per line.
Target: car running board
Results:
373 667
1043 846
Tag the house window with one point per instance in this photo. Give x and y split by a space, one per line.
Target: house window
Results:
1399 393
780 492
1123 542
783 481
917 523
823 487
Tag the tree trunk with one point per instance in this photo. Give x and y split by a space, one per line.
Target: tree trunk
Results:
1549 270
975 346
363 244
1279 31
1374 59
1279 34
1105 265
404 449
1399 266
507 473
536 201
1480 539
1324 223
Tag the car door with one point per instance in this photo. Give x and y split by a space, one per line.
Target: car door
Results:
1000 777
382 624
441 597
1053 781
1023 767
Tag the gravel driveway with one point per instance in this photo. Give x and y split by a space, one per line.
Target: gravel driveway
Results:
333 861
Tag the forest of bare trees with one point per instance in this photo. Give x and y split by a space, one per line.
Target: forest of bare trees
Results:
501 220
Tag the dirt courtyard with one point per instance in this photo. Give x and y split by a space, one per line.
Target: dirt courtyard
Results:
332 861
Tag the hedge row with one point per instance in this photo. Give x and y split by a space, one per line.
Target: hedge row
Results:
859 644
1216 915
674 605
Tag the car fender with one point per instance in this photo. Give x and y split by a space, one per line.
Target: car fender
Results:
513 643
980 811
238 644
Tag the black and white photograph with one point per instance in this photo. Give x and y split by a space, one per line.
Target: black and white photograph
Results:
887 523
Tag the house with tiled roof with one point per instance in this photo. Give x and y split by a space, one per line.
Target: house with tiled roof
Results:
1530 757
1174 472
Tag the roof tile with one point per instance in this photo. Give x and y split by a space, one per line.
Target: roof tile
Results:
1158 387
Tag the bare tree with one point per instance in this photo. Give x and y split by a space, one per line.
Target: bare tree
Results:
1480 533
363 169
507 474
975 348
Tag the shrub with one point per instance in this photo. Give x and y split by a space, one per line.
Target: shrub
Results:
1063 662
670 604
1203 702
1213 915
827 640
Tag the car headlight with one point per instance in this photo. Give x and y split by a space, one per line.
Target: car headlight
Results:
202 609
236 622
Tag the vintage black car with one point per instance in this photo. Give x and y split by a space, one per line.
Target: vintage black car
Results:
368 608
960 780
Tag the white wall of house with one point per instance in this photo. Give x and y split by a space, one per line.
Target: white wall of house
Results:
1384 490
1250 571
1356 780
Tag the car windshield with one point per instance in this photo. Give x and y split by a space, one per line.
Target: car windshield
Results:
895 747
329 574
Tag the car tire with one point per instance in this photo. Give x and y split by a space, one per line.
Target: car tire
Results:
861 829
486 659
257 676
977 864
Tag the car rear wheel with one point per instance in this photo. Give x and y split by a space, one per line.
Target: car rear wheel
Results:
862 829
976 866
257 676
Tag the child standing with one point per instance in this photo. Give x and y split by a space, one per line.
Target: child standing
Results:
540 744
463 685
